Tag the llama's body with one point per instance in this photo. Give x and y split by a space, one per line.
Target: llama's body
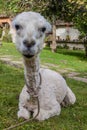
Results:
28 36
53 92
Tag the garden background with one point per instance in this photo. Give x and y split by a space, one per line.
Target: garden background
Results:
72 64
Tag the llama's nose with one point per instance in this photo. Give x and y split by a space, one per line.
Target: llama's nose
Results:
29 44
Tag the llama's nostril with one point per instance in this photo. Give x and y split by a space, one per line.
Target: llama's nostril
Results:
29 44
25 42
33 43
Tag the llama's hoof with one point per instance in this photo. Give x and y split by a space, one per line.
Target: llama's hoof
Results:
23 113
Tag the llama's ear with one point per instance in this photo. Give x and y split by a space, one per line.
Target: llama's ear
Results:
48 28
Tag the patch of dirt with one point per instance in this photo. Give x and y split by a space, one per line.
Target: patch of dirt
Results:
63 61
63 71
8 60
72 74
80 79
51 65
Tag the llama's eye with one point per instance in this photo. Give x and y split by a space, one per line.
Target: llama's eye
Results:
17 27
43 29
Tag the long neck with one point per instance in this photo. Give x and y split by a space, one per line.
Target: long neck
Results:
31 71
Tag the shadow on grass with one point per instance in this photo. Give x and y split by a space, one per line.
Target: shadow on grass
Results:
77 53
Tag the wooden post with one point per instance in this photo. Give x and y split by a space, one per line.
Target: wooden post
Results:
85 45
53 45
85 48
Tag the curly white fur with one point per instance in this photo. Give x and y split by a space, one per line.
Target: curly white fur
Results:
28 30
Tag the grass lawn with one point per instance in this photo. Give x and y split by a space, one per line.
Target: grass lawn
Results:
8 49
66 59
63 59
12 80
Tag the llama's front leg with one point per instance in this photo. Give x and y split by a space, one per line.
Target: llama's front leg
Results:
23 99
47 113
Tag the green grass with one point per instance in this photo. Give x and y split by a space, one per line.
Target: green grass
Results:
71 118
12 80
63 59
66 59
9 49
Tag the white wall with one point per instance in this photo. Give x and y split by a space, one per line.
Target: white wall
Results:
63 32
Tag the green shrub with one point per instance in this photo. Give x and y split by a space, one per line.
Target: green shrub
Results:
65 46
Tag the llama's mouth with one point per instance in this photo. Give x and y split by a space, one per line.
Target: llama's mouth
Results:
28 53
28 56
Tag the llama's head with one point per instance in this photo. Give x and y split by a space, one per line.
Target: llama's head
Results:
28 30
